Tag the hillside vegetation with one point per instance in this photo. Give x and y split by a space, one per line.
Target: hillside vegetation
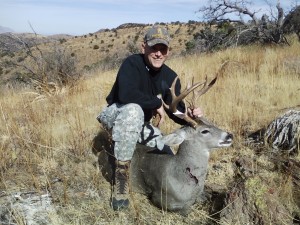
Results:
46 139
104 49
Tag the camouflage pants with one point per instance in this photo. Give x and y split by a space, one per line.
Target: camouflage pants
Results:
126 124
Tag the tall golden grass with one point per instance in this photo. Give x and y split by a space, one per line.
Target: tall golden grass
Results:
45 143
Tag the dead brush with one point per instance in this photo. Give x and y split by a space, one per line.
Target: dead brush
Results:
51 72
45 90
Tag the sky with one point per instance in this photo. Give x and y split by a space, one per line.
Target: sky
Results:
78 17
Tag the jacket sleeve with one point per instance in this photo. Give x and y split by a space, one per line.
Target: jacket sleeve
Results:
129 78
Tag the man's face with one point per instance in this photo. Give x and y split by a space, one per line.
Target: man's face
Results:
156 55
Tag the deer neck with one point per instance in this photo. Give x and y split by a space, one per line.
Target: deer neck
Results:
193 160
193 151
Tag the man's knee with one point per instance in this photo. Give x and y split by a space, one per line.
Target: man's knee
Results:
132 112
107 116
130 118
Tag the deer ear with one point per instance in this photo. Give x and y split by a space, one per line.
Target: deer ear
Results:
173 139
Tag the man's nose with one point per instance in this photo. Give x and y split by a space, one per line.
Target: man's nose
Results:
158 52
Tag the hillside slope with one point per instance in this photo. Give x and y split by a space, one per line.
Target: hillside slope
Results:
104 48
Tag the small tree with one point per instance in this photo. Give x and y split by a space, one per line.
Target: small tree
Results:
132 47
292 22
232 22
46 70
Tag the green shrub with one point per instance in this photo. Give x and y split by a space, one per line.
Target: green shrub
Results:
190 45
62 40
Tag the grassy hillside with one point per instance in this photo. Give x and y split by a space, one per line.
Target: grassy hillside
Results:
45 140
103 49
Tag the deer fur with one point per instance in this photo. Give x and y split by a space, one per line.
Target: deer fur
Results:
176 182
172 182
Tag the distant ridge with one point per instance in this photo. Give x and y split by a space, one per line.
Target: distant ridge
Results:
15 41
59 36
129 25
5 30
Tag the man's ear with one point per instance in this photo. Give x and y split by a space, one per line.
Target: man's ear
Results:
143 47
169 52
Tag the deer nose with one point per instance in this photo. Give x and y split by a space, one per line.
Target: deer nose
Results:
229 136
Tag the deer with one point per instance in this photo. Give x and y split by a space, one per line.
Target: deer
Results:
174 182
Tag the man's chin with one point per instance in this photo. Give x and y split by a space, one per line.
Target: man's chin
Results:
156 66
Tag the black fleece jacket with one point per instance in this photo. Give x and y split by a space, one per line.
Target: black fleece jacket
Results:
137 83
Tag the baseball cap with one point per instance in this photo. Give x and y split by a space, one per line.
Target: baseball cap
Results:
157 35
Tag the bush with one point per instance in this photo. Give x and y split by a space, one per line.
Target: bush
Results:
20 59
96 47
292 22
56 67
60 67
63 40
190 45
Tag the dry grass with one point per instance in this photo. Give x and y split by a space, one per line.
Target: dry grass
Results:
46 144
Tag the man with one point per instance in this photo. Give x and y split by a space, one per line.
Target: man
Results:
141 86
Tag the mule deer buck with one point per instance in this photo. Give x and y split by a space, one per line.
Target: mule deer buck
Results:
176 182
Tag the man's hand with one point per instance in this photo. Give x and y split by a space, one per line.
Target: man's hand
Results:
161 113
194 113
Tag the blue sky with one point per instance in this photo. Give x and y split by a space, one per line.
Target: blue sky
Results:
79 17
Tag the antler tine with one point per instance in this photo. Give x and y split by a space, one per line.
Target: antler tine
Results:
192 103
191 88
177 99
206 87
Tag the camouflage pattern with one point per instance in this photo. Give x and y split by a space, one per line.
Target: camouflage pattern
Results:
127 127
157 35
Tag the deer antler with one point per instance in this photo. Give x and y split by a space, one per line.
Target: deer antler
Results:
206 86
176 99
191 88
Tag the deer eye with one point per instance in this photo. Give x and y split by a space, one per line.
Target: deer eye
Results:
205 132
